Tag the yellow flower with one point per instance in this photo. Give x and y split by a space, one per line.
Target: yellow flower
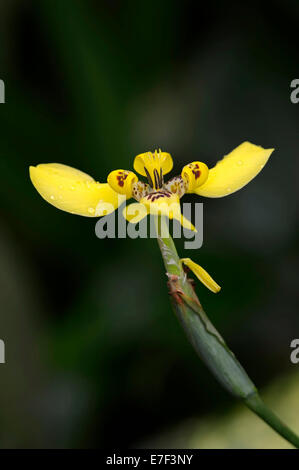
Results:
73 191
76 192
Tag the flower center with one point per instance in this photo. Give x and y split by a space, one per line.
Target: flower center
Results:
153 165
155 179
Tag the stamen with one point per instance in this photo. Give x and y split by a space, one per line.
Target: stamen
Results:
150 181
157 180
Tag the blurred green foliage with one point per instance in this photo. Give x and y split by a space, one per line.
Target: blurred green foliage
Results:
94 354
238 428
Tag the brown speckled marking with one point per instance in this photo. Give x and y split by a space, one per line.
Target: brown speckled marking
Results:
121 177
157 195
176 185
196 172
140 190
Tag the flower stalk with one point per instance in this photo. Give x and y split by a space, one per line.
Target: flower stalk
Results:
74 191
206 340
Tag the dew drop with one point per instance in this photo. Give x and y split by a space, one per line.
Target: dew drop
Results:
240 162
52 197
91 210
73 188
228 190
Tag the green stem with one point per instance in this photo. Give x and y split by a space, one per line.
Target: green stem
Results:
206 340
256 404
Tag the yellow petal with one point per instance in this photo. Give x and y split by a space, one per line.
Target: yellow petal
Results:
162 203
186 223
122 181
73 191
202 275
195 174
235 170
153 166
135 212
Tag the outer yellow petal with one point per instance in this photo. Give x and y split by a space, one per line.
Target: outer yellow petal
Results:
202 275
135 212
185 222
73 191
235 170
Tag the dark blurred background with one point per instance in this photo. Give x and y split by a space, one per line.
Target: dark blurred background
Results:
94 355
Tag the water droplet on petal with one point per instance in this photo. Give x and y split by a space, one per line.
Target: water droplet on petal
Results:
52 197
240 162
91 210
73 188
228 190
